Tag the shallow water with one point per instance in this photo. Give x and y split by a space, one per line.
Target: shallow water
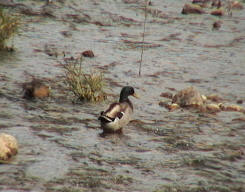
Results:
61 148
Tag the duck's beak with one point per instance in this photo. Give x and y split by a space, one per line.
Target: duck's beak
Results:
136 95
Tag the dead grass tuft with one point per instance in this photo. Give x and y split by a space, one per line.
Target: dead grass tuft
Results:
8 27
85 86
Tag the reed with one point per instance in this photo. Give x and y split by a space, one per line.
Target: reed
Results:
8 27
143 37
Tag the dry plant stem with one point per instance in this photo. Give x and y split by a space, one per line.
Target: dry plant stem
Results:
87 87
143 38
8 27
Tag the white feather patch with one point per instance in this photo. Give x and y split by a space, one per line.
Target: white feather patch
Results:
107 118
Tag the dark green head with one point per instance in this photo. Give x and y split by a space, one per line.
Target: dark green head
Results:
125 92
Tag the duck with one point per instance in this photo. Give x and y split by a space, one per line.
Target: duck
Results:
118 114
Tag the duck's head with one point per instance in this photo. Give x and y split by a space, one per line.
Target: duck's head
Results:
127 91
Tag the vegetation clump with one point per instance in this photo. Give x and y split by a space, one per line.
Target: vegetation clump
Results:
85 86
8 27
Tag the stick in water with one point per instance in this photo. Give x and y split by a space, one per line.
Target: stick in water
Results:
143 38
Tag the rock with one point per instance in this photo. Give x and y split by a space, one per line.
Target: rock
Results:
66 33
217 12
217 25
236 5
163 104
204 98
170 107
239 119
240 101
213 108
202 3
214 98
35 89
232 107
188 97
8 146
216 3
88 53
173 106
192 9
191 98
51 50
167 95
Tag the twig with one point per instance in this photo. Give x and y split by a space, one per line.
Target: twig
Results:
143 38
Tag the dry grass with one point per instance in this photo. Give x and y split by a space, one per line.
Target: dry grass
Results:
8 27
85 86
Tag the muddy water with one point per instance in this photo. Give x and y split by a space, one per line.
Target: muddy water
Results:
61 148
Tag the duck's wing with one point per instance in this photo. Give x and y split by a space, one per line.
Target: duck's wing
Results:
115 111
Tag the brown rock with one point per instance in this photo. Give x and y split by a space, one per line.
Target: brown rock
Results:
167 95
192 9
163 104
173 107
239 119
213 108
214 98
216 3
217 25
217 12
170 107
8 146
200 1
232 107
236 5
240 101
88 53
35 89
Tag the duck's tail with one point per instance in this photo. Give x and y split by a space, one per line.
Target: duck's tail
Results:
105 119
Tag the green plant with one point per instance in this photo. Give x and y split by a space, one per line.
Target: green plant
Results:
8 27
85 86
122 179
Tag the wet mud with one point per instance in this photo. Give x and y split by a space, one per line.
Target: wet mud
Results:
60 143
